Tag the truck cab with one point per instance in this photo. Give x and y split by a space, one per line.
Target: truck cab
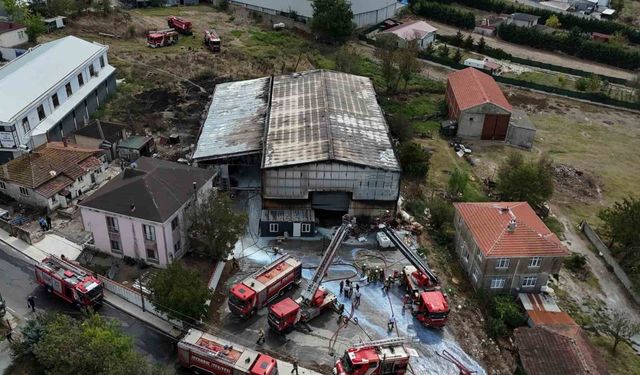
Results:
369 361
242 300
264 365
284 315
433 309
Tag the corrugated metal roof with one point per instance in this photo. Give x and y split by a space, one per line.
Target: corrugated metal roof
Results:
488 223
472 88
324 115
235 122
28 77
303 7
538 302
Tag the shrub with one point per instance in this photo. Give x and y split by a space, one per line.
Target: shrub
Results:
496 328
414 160
401 128
444 13
576 262
504 308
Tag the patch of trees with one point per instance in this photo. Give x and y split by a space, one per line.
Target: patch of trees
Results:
398 64
332 20
529 181
444 13
414 160
572 43
566 20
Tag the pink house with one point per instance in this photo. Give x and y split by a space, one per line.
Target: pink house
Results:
143 212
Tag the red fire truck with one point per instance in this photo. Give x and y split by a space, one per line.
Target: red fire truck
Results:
179 24
382 357
162 38
212 40
206 352
430 305
315 299
70 282
271 281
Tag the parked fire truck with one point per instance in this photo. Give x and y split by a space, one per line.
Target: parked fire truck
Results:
382 357
203 351
430 305
264 285
314 299
179 24
212 40
162 38
70 282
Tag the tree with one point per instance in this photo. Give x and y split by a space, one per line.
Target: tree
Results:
401 127
35 26
332 20
530 181
347 60
553 22
215 227
620 327
443 50
621 222
386 53
458 182
180 293
93 346
457 56
468 42
619 39
408 64
414 160
481 44
61 7
458 39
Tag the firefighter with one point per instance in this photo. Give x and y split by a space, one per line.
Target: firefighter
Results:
406 300
261 338
357 287
364 269
31 303
341 286
381 275
391 324
356 301
376 273
295 367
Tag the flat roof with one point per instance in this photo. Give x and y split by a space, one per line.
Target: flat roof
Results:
303 7
134 142
27 78
411 30
235 121
520 119
322 115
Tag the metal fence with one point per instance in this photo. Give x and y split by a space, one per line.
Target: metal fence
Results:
595 240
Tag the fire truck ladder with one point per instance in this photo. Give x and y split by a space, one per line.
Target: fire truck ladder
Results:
311 289
462 368
381 343
410 254
221 355
67 266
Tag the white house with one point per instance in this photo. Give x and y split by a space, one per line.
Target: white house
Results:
50 91
52 175
419 31
12 34
143 212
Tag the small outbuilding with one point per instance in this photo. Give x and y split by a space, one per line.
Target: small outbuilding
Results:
101 135
420 31
136 146
522 20
476 101
287 222
521 131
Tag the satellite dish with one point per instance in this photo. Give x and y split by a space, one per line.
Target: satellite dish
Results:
53 173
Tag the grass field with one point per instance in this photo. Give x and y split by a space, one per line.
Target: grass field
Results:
623 362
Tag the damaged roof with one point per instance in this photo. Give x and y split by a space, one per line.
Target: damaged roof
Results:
235 122
322 115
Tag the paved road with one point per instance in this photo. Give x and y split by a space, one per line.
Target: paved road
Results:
17 281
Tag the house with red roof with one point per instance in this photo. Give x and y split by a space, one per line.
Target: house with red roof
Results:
476 101
504 247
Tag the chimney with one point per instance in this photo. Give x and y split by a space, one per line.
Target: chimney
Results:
512 225
64 141
6 171
100 129
133 207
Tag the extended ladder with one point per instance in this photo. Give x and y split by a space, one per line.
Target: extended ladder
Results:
410 254
67 265
381 343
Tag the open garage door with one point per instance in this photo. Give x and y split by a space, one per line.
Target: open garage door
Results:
330 201
495 127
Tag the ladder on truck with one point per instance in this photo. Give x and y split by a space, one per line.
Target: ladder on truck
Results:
63 264
311 289
411 255
381 343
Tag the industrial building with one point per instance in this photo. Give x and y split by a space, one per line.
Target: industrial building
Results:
317 141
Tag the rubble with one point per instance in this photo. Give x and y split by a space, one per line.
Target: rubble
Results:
580 185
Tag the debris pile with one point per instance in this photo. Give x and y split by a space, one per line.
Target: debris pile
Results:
578 184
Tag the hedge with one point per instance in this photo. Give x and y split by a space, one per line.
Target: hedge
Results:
567 20
444 13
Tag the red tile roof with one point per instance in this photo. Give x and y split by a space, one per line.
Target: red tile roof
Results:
5 27
488 223
544 351
472 88
550 318
50 188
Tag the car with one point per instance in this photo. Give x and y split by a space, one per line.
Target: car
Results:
589 10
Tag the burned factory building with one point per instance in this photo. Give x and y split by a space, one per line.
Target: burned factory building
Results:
324 148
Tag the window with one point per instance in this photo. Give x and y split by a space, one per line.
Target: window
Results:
502 263
24 191
149 232
53 200
273 228
465 251
102 61
80 80
112 224
92 71
177 247
151 255
20 34
174 223
115 246
68 88
55 100
306 228
529 281
535 262
476 274
2 185
497 283
25 125
41 114
80 179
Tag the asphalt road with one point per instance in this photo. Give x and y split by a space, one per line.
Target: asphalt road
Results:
17 281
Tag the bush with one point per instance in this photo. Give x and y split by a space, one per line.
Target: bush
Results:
576 262
504 314
401 128
444 13
414 160
496 328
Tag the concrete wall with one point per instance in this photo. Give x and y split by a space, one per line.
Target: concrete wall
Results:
295 182
14 38
520 137
471 121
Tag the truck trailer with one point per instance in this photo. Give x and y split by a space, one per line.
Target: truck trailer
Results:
180 25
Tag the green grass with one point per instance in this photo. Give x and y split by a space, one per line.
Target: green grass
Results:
262 45
236 33
415 107
624 361
555 226
426 126
568 305
172 11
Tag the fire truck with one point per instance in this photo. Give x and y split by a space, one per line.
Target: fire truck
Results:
429 304
269 282
203 351
179 24
314 299
70 282
212 40
162 38
382 357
